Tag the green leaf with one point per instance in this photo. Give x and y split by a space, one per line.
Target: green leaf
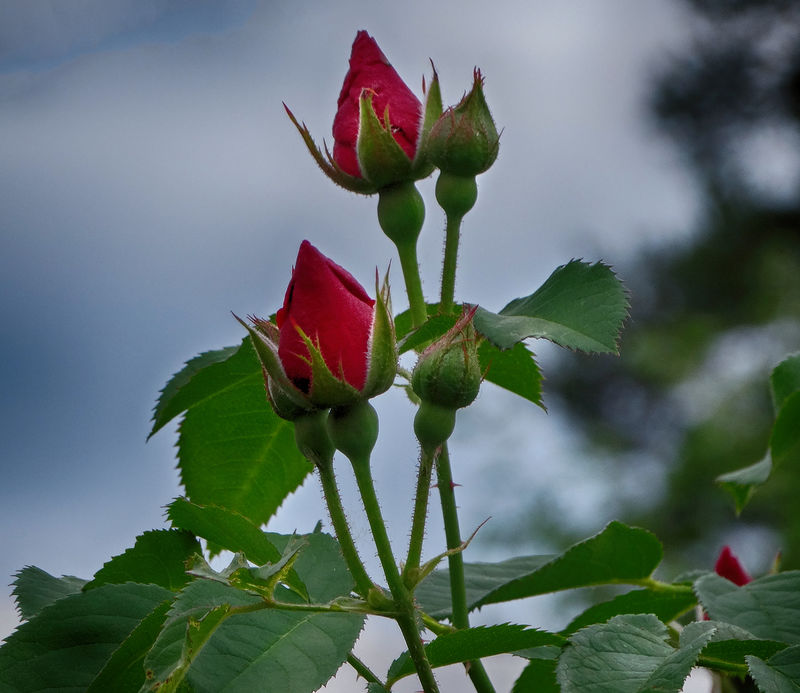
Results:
785 380
124 671
614 657
233 450
581 306
618 554
780 674
731 644
665 604
768 607
202 377
743 483
436 326
784 443
474 643
539 676
514 369
158 557
65 646
216 648
229 530
320 565
35 589
670 675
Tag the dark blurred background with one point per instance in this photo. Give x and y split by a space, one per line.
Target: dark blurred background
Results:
688 399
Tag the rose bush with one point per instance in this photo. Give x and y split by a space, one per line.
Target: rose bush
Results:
331 344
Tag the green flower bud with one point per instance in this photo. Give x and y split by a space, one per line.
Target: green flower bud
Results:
448 372
464 140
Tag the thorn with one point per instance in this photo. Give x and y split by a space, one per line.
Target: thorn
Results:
453 484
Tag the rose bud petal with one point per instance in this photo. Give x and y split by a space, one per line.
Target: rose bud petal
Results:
729 567
327 303
378 127
331 344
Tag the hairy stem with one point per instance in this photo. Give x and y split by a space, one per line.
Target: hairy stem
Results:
410 267
339 520
452 238
458 593
419 517
403 599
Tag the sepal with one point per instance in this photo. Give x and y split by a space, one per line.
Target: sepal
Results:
382 367
326 162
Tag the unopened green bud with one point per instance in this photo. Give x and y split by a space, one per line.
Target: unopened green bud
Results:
354 430
464 140
448 372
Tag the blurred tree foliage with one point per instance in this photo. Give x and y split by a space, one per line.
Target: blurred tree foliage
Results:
712 317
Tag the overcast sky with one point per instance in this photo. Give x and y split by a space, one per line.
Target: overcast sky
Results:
150 183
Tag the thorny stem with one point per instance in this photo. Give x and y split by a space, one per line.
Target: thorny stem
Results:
458 593
419 518
339 520
404 601
363 670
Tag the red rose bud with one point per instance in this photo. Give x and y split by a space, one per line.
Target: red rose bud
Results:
729 567
331 344
378 125
464 140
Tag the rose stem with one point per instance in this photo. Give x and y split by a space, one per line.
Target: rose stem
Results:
402 597
456 195
410 267
419 517
342 529
458 593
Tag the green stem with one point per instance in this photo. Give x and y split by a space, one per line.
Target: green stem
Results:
410 267
418 522
458 592
339 520
452 237
363 670
403 598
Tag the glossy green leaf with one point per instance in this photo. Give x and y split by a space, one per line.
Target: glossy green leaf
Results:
233 450
581 306
475 643
665 604
158 557
768 607
34 589
785 380
124 671
66 645
618 554
202 377
743 483
514 369
780 674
